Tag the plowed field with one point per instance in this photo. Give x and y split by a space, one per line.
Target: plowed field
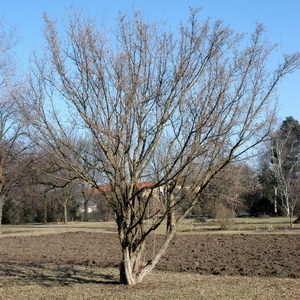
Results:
275 255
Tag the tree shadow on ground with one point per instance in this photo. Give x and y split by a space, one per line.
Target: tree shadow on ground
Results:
50 275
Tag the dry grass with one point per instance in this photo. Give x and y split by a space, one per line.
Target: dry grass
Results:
212 226
21 281
241 225
38 229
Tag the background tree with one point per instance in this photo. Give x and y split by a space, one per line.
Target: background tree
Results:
86 196
9 125
286 162
58 186
227 194
22 196
64 203
269 186
171 109
232 184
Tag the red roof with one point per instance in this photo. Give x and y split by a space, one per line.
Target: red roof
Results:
104 188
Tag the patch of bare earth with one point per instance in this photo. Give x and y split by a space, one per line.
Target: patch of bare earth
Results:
272 255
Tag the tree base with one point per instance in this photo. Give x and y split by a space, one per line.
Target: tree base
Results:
123 279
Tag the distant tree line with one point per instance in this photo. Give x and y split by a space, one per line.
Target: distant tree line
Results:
33 194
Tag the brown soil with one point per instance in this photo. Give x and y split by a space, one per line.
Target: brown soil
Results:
249 255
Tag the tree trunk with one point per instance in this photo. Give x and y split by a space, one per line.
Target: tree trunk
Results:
286 202
275 199
132 268
85 212
2 196
161 251
45 217
291 216
65 212
1 211
127 275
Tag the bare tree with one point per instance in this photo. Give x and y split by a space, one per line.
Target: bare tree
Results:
24 196
65 197
296 200
57 183
171 109
8 136
228 188
86 196
9 125
286 167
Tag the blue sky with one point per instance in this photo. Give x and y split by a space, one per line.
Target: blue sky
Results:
281 18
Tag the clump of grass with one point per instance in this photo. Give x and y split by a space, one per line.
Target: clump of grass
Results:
199 220
224 217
